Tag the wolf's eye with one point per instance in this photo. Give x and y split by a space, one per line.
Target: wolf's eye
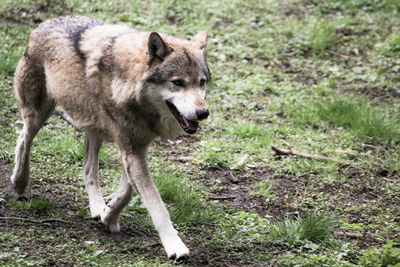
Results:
202 82
178 82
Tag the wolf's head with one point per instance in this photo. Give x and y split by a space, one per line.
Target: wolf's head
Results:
179 77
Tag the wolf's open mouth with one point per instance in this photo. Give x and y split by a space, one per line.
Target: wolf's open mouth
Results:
187 125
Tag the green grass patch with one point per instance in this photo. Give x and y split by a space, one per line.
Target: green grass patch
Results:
313 227
183 201
347 6
354 113
216 154
321 36
40 205
67 144
321 259
8 62
384 256
391 46
241 228
249 130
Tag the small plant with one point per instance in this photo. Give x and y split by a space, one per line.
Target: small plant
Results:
40 205
321 36
385 256
391 46
263 188
314 227
5 237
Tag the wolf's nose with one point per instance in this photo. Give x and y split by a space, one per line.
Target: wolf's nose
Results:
202 114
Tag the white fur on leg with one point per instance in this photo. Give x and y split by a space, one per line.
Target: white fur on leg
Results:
96 209
174 247
96 202
110 220
91 175
20 175
136 168
172 243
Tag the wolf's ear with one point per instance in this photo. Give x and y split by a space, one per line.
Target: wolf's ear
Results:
200 40
156 48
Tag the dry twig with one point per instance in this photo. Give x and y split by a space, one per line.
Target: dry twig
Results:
49 220
221 197
337 54
288 152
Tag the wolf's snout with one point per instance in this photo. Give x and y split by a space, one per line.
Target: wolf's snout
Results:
202 114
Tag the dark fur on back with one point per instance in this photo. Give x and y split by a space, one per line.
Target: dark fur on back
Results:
75 26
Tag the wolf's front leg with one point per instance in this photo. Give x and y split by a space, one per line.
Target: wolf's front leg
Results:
91 174
136 168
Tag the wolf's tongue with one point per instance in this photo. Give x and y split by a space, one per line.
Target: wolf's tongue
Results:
193 125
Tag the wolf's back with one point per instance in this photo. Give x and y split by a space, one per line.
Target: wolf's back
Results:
62 34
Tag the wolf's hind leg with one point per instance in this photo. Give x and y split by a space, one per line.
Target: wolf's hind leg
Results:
36 107
91 174
110 217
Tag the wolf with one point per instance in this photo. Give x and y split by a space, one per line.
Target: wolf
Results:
116 84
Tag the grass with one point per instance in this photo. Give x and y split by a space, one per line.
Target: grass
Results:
183 201
385 256
8 63
321 36
320 77
355 114
391 46
313 227
40 205
248 130
263 188
390 6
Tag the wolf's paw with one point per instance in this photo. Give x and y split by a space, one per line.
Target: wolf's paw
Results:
113 227
97 210
18 186
110 222
175 249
